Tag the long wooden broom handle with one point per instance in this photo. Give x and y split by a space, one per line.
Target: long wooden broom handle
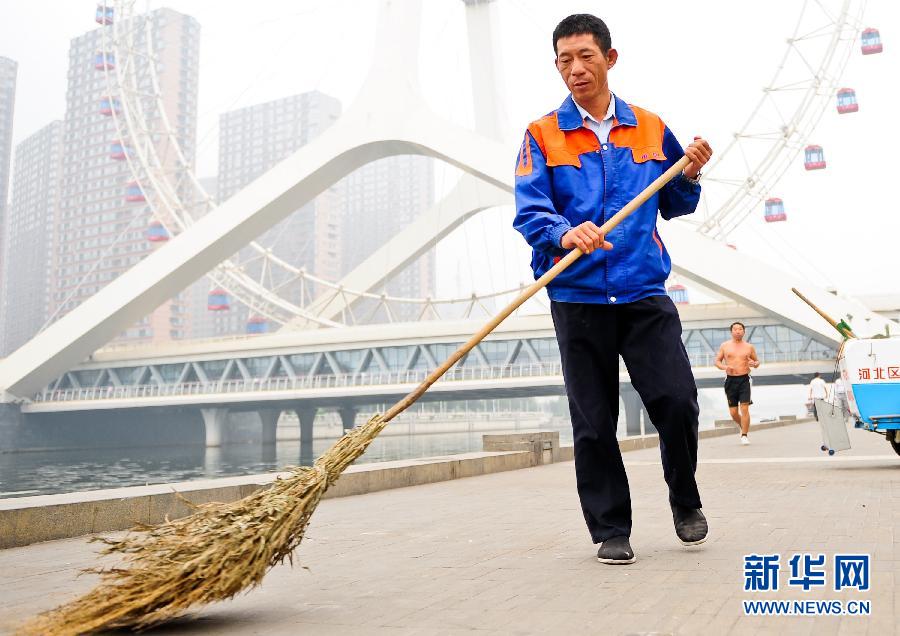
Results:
831 321
532 289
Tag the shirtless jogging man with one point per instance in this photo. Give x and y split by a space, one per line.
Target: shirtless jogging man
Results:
736 358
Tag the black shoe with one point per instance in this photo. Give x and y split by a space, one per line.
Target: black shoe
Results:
690 524
615 551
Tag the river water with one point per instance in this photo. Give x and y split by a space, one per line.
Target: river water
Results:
26 474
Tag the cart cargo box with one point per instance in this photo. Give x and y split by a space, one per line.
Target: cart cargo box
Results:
870 368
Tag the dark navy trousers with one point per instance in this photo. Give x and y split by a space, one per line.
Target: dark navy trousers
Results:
647 334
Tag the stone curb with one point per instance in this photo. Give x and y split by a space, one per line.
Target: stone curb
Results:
28 520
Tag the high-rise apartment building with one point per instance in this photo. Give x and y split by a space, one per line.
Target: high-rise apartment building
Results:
7 103
28 236
251 141
380 199
104 217
255 138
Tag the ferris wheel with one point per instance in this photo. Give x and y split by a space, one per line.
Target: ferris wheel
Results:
736 183
805 84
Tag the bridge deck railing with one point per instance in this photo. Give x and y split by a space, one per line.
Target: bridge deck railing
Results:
306 382
347 380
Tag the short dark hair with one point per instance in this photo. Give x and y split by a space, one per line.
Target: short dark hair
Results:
736 322
580 23
816 374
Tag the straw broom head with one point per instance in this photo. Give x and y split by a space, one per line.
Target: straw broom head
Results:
211 555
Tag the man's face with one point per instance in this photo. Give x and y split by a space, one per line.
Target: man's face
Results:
737 332
583 66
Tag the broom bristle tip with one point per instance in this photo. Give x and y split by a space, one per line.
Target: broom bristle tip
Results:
209 556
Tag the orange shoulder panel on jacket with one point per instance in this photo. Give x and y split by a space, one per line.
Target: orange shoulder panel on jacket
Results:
538 128
581 140
561 148
645 139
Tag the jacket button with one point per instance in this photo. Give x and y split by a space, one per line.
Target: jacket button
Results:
605 147
612 299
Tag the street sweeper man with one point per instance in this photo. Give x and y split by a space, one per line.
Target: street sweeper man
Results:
578 166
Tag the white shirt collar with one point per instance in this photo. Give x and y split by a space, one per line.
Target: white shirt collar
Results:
610 111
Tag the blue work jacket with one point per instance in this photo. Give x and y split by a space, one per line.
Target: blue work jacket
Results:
565 177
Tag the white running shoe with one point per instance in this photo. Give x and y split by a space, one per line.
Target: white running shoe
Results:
744 440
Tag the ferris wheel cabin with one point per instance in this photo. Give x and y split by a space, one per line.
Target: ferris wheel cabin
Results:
104 61
134 193
118 151
846 101
871 41
218 300
257 324
775 210
678 294
108 105
814 158
157 233
104 14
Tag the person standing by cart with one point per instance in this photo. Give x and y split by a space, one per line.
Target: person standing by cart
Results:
818 390
736 358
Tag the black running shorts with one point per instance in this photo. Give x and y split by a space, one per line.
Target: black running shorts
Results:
737 390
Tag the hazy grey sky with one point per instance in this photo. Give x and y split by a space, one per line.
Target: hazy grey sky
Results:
700 65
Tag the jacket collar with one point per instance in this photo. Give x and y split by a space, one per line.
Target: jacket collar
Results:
569 118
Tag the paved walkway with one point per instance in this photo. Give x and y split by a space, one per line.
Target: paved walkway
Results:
508 553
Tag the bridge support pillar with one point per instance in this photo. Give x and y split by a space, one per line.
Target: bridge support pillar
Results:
214 424
348 417
269 420
306 415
